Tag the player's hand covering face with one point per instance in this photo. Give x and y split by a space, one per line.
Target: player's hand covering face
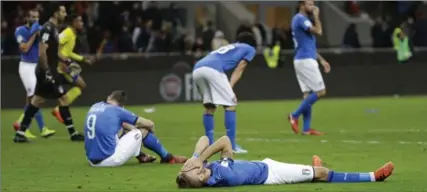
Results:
193 163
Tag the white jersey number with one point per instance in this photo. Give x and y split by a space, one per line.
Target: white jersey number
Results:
295 40
224 49
90 124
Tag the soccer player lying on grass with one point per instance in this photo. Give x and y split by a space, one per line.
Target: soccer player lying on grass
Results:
227 172
102 144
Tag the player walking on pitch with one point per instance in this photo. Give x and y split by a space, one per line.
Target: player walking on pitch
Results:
49 85
103 146
306 67
197 173
215 88
26 36
67 41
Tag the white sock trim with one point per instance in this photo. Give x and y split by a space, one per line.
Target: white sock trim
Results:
372 176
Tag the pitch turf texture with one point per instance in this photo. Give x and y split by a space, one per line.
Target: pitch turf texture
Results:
361 135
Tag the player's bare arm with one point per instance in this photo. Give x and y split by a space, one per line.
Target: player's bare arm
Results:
324 63
317 28
25 46
237 73
142 122
222 145
42 52
200 147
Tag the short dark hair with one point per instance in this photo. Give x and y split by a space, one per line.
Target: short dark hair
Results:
53 8
246 37
119 96
70 18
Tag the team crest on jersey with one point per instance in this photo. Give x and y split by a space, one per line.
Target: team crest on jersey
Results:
170 87
306 171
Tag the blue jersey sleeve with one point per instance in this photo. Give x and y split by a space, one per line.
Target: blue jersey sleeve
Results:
221 172
126 116
250 54
305 23
20 36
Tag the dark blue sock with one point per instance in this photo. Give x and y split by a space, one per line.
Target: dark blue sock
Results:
306 103
152 143
39 119
208 123
344 177
307 119
230 126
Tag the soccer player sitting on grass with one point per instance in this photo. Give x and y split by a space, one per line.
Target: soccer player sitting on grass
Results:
103 146
227 172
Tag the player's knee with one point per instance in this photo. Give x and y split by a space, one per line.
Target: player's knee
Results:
321 173
37 101
63 101
209 108
321 93
81 84
230 108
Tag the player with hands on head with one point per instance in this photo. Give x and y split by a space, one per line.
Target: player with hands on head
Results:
226 172
104 148
27 38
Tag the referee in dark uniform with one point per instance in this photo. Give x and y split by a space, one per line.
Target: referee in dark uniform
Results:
49 84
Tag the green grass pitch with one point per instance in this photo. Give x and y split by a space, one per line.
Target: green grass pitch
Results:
361 135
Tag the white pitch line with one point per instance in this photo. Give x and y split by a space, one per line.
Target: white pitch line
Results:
273 140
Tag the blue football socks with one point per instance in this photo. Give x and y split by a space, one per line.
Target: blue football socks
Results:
307 119
153 143
39 119
208 123
344 177
306 103
230 126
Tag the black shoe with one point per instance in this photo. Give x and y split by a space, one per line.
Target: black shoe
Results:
20 139
77 137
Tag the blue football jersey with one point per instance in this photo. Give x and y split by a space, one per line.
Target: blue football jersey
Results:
227 57
227 173
304 40
103 123
22 35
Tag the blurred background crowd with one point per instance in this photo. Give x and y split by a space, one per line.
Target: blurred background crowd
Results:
150 26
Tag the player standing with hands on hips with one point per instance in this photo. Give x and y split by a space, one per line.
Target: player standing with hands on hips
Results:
49 85
26 36
215 88
306 67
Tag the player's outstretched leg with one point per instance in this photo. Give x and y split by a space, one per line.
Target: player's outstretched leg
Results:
29 113
326 175
151 142
208 121
230 126
72 95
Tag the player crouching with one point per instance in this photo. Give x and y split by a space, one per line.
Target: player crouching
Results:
103 146
227 172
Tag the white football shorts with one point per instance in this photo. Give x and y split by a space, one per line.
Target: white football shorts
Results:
285 173
308 75
27 72
127 147
214 87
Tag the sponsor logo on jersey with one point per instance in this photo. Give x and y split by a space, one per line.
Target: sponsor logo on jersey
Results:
170 87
